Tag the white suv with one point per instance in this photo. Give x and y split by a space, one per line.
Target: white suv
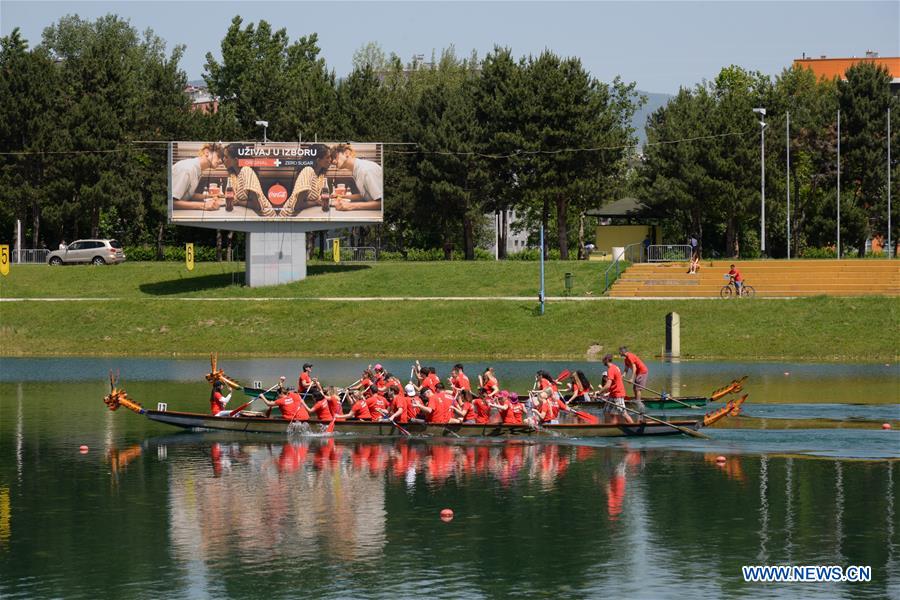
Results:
96 252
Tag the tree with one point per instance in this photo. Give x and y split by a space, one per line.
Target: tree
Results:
863 97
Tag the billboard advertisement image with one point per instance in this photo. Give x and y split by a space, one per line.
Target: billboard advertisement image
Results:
275 181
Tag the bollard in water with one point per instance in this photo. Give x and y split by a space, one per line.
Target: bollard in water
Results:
673 335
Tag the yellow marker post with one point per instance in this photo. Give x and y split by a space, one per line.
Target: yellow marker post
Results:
336 249
189 256
4 259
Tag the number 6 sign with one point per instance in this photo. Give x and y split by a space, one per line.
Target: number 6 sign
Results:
189 256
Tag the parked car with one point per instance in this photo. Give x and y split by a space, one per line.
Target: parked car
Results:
96 252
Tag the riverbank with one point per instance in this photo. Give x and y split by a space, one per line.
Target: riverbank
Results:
159 310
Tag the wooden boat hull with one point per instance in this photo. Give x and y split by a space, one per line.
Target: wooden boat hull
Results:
197 421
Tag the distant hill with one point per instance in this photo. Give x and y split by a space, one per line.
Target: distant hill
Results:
654 101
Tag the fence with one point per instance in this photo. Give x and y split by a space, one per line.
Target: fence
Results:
30 256
669 253
359 253
632 254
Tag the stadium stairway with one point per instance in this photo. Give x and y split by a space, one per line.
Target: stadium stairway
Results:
770 278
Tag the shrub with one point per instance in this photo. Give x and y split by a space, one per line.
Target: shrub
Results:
818 253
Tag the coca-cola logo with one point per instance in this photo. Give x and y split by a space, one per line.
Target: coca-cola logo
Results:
277 194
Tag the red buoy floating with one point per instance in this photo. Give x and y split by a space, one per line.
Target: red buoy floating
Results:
447 515
83 449
885 426
721 459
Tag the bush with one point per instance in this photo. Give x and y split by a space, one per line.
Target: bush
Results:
533 254
818 253
171 253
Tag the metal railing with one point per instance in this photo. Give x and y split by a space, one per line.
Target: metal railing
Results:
632 254
29 256
669 253
359 253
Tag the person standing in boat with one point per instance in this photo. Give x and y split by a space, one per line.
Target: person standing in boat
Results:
307 384
639 371
217 400
489 384
615 406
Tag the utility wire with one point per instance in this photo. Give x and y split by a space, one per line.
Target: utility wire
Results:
516 153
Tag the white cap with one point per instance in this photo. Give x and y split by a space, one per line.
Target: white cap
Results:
410 389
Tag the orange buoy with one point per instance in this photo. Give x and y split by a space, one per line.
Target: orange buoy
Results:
721 459
83 449
447 515
885 425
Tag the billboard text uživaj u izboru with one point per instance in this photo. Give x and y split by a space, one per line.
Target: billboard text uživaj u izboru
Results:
275 181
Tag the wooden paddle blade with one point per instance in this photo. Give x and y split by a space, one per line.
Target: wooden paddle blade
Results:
565 373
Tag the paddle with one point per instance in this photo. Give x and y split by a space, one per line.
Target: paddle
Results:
403 431
252 400
683 430
330 428
586 416
565 373
663 395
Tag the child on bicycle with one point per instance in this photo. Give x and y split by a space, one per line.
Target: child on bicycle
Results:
737 279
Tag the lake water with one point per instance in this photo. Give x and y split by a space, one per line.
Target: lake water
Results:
151 512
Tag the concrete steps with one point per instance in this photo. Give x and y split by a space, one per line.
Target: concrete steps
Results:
770 278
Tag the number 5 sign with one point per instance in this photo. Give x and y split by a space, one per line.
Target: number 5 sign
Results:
189 256
4 259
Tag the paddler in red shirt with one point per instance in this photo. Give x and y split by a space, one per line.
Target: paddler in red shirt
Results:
400 405
307 384
639 371
510 409
546 383
322 410
615 406
438 408
463 409
579 386
291 406
482 410
358 410
378 405
489 385
459 381
217 400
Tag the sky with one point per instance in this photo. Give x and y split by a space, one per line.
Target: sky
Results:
660 45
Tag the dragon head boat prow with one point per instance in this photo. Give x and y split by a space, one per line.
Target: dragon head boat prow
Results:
732 408
215 374
119 397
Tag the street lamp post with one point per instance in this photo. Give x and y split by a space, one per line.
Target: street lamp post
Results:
265 126
762 178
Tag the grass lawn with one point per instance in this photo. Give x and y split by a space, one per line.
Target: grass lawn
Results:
150 320
162 280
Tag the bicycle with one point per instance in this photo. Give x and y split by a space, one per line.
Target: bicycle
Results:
728 290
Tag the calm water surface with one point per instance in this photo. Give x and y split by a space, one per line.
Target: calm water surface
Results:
151 512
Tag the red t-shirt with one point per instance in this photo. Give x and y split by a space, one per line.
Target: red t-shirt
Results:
304 381
633 362
617 386
431 382
401 402
490 385
482 411
736 274
468 411
375 402
290 406
360 410
440 409
512 415
546 383
217 403
461 381
334 405
577 389
323 412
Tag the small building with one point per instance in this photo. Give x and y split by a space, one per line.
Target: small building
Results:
622 223
829 68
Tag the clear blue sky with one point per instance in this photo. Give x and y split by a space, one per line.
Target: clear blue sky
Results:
659 45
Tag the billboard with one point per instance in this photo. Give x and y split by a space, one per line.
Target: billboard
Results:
275 181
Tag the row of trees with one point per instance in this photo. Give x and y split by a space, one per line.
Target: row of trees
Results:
84 113
711 186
